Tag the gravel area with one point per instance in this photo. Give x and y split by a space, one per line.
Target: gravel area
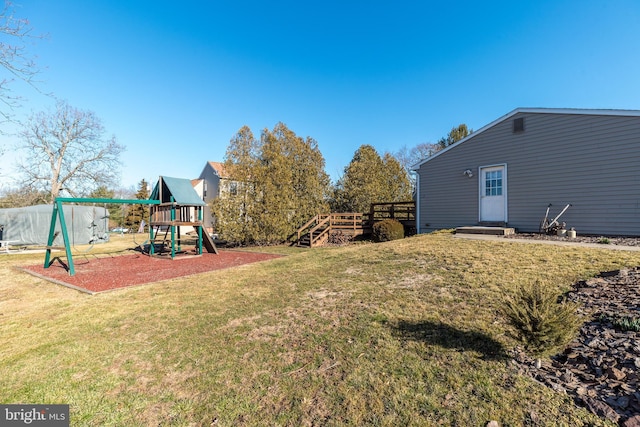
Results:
603 240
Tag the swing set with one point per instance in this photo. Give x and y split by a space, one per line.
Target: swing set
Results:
58 214
169 214
174 203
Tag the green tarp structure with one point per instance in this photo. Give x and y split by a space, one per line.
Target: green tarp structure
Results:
30 225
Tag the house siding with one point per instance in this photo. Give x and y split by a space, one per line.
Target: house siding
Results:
210 176
590 161
212 179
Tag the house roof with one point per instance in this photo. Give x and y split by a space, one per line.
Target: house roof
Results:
579 111
181 189
219 169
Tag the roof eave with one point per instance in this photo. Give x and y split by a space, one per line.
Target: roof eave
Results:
595 112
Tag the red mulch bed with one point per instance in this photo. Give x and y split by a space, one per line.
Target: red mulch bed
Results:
94 274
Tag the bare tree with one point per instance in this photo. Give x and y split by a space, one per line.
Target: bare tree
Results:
408 157
18 197
15 60
66 152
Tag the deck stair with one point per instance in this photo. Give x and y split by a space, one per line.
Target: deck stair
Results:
317 230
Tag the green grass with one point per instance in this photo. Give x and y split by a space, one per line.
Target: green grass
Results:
399 333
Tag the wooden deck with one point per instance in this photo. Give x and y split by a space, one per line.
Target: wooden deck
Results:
317 230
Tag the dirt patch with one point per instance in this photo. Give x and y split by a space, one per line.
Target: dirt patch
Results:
95 274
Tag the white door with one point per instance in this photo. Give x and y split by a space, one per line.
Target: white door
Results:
493 194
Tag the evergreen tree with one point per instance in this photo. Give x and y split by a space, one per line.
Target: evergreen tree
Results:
399 187
455 134
370 179
138 213
236 210
115 210
293 182
280 183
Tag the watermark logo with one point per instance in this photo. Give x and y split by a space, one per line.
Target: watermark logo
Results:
34 415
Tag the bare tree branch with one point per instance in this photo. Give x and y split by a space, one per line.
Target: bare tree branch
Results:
66 152
16 63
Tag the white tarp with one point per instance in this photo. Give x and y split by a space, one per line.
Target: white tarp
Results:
30 225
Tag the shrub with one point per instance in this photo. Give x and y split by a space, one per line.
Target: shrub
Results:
624 323
387 230
542 320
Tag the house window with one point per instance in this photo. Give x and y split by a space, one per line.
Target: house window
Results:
233 188
518 125
493 183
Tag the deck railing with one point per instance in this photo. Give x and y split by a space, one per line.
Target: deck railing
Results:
404 212
316 231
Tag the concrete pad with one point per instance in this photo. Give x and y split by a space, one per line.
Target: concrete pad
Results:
479 229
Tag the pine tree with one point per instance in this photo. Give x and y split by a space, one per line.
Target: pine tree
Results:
370 179
455 134
235 210
280 182
115 211
398 186
138 213
294 184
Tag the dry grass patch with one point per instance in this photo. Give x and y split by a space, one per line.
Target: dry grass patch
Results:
400 333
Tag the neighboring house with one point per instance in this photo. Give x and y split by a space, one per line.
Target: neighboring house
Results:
212 182
198 185
508 172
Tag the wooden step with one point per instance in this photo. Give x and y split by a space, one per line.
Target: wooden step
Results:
479 229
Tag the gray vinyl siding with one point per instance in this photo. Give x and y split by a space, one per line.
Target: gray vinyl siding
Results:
213 182
590 161
213 190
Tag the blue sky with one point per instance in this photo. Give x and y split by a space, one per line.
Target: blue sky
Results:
174 81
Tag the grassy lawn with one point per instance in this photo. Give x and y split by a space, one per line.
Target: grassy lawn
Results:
400 333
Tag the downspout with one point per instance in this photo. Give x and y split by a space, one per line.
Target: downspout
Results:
417 201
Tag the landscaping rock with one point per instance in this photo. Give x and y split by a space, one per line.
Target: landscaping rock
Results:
601 409
599 369
602 240
632 422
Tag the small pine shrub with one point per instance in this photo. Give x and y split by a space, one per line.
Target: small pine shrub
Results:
542 321
387 230
604 241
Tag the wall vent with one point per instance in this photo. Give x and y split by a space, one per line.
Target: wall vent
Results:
518 125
